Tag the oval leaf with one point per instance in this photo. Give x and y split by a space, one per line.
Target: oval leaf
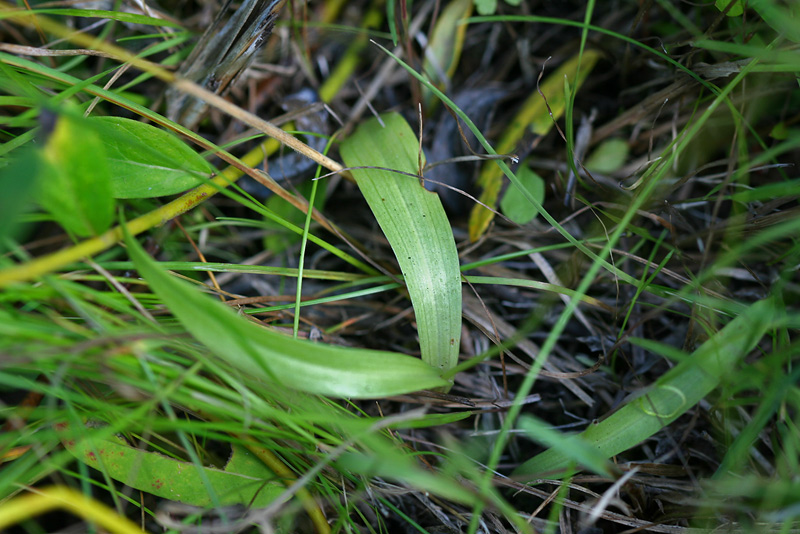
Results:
414 222
609 157
148 162
486 7
514 204
74 178
269 355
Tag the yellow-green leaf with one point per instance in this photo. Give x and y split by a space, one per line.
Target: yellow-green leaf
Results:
244 480
447 40
533 115
74 178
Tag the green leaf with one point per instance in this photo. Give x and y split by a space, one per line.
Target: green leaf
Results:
780 131
514 205
148 162
489 7
383 458
768 192
277 358
74 178
670 397
609 157
735 10
390 17
16 193
486 7
414 222
244 479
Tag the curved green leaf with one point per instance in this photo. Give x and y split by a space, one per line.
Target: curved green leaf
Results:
148 162
269 355
414 222
669 398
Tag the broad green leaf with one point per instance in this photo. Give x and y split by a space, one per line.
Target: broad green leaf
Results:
148 162
277 358
670 397
74 179
414 222
514 205
384 458
244 480
609 157
534 114
401 467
